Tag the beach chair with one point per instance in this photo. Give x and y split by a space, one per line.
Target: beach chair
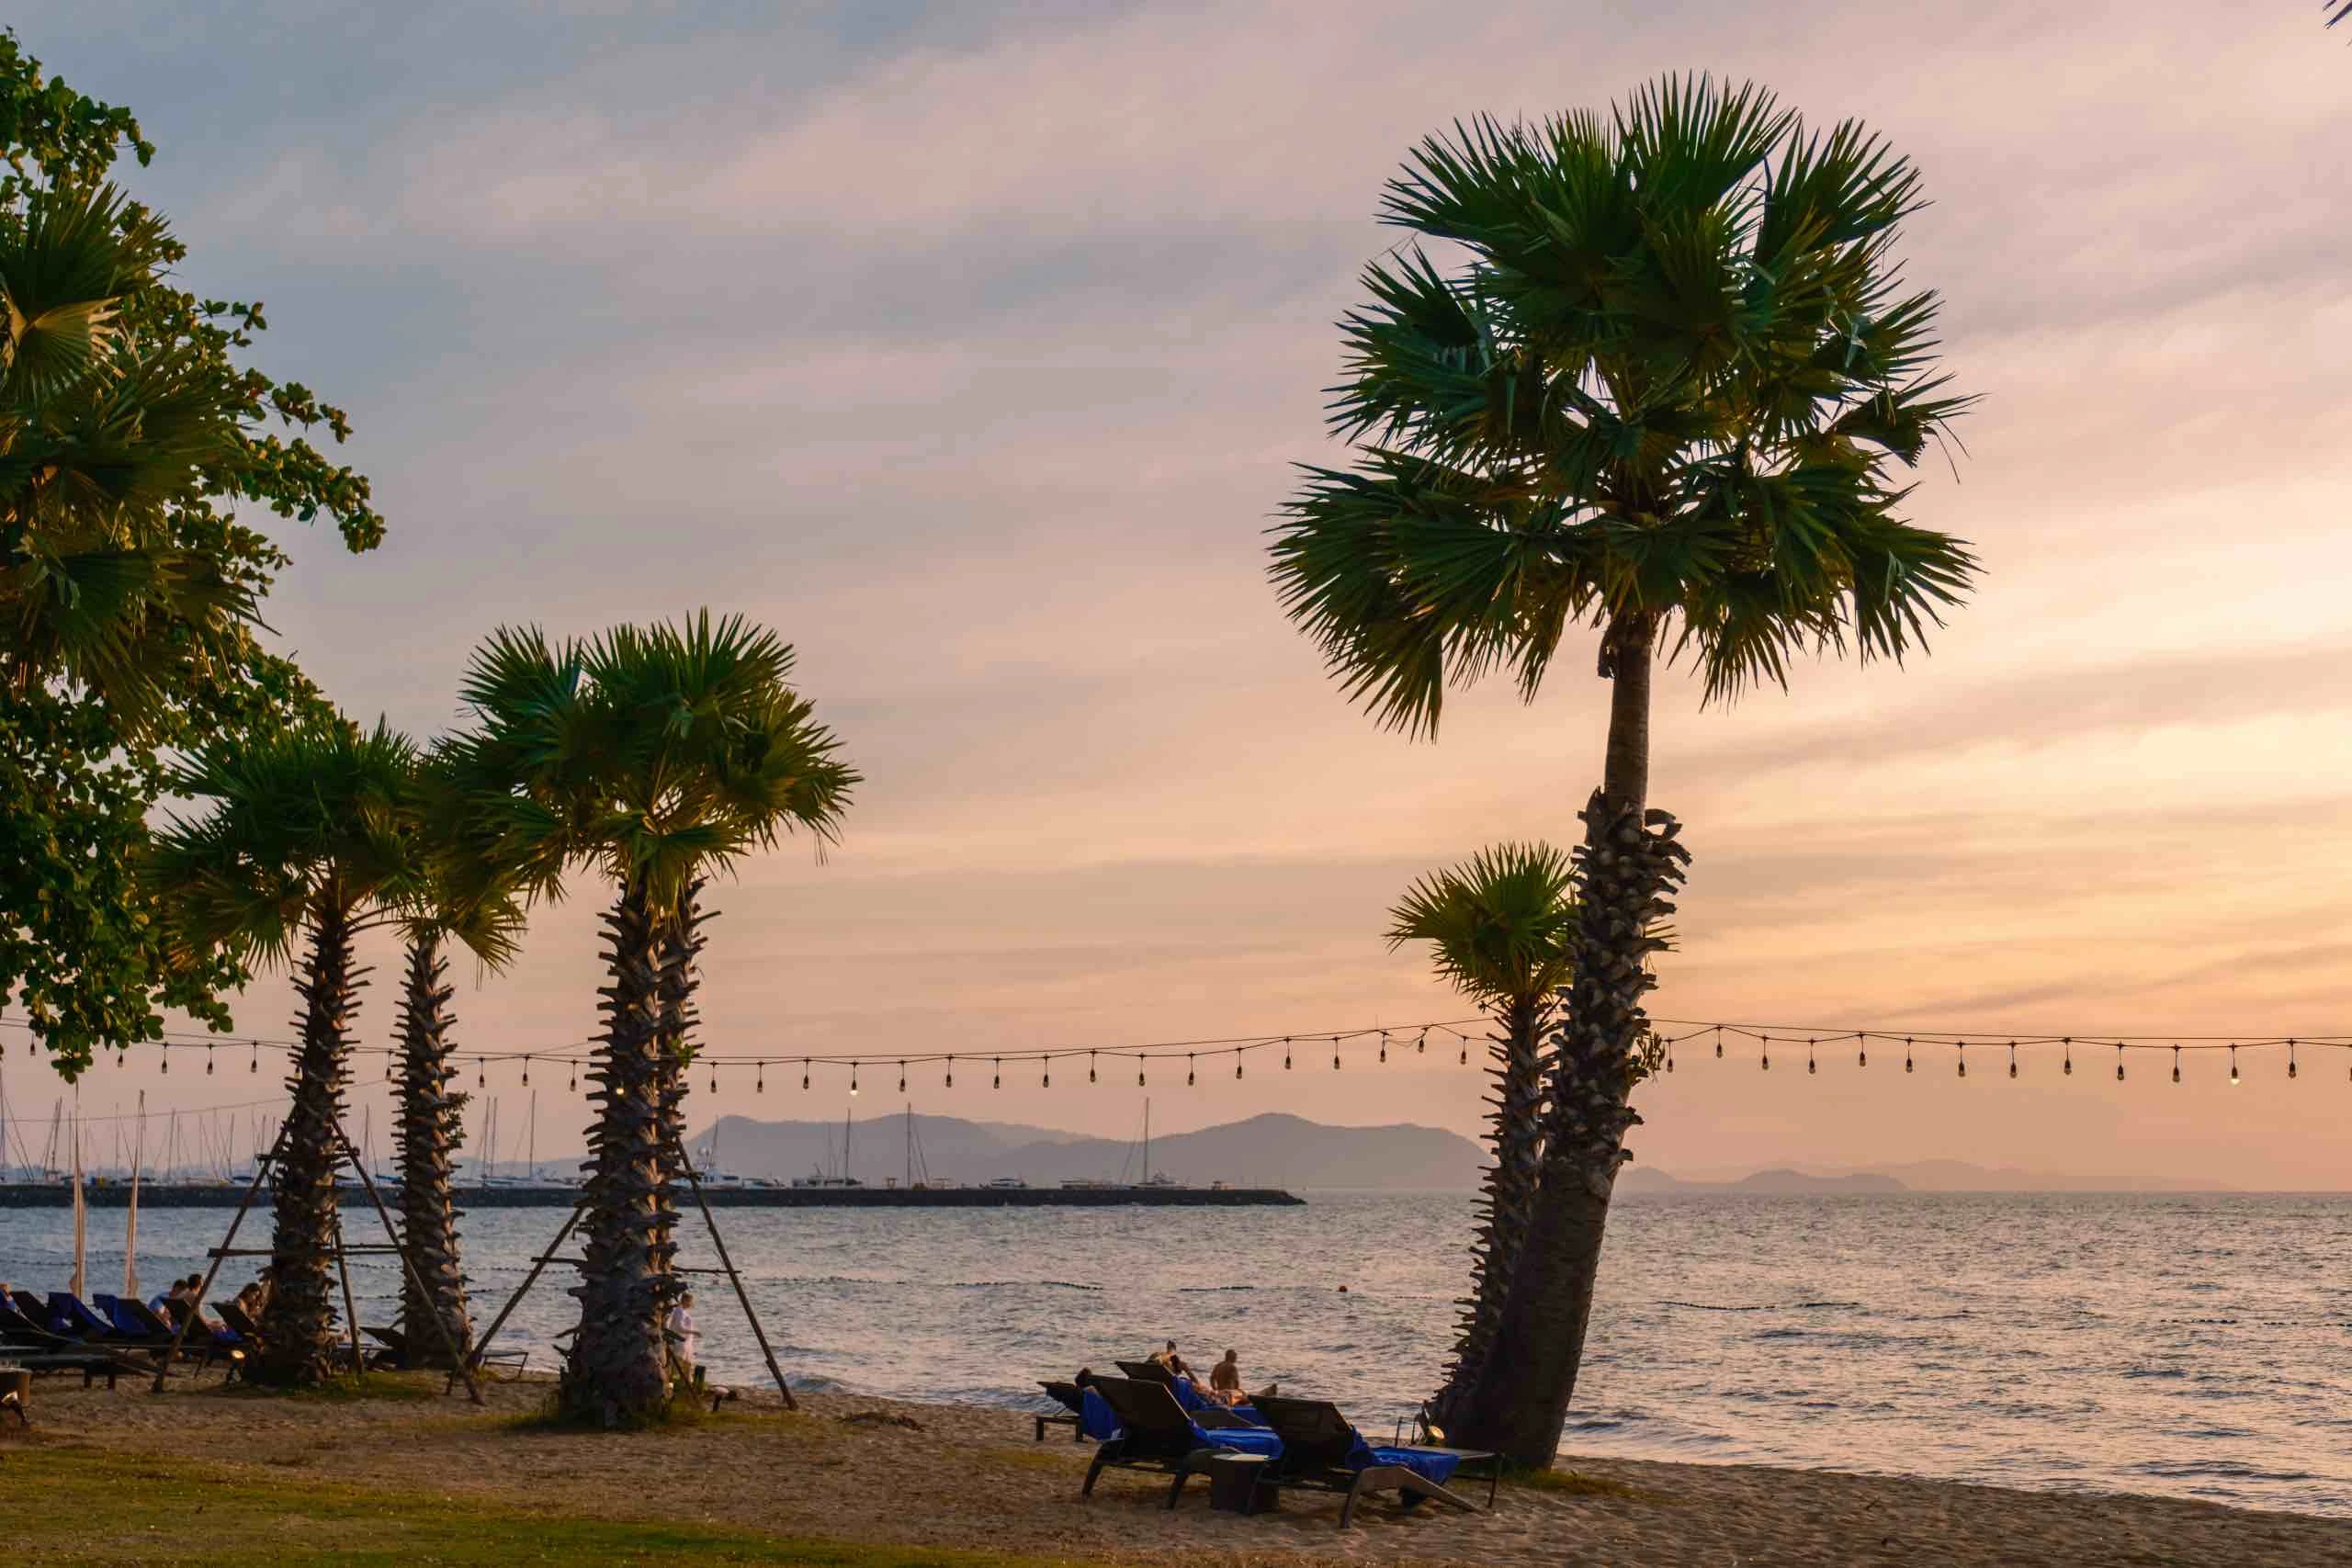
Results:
203 1343
32 1307
1073 1406
240 1322
73 1317
395 1343
1322 1451
1146 1371
1155 1434
34 1349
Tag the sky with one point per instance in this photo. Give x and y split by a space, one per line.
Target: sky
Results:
971 349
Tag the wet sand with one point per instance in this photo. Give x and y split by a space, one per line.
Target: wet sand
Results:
962 1476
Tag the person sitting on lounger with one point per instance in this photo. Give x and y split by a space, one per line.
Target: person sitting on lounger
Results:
1225 1381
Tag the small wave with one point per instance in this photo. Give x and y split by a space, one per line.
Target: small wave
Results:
1017 1285
1211 1290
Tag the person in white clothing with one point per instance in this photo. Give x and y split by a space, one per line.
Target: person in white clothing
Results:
680 1328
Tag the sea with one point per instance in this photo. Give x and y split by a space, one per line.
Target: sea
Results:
2192 1346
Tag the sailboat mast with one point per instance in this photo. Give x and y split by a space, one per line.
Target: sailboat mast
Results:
911 1143
534 1136
846 1115
1146 1142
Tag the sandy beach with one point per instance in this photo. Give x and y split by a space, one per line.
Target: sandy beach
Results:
877 1472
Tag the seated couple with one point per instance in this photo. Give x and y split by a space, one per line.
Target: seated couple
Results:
1223 1386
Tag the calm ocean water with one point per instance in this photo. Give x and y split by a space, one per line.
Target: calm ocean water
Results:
2199 1345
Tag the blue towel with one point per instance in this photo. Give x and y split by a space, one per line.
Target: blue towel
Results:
1191 1399
1241 1439
1094 1417
1431 1466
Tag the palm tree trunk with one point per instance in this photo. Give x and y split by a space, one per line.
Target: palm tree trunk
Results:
428 1136
1627 867
617 1371
1506 1201
682 945
298 1325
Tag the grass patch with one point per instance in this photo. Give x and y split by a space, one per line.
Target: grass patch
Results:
1575 1483
71 1504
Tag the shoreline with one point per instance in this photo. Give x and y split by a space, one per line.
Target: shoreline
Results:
889 1472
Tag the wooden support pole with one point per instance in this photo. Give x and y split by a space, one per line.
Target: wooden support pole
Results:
538 1265
694 1182
350 1308
449 1339
179 1335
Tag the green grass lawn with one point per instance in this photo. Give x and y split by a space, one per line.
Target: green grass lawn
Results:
79 1504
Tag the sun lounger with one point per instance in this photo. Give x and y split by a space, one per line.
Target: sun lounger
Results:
69 1315
240 1322
1322 1451
1155 1434
1072 1401
33 1307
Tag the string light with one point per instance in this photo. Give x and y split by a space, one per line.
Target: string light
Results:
903 1078
804 1072
1237 1063
1861 1050
1906 1052
1768 1053
1464 1039
482 1074
574 1085
2119 1064
1719 1043
2176 1064
208 1061
760 1078
2233 1062
2291 1058
1189 1077
2013 1058
1422 1046
256 1067
2070 1057
714 1076
1090 1066
1335 1052
1384 1045
1139 1072
1809 1067
166 1065
951 1072
1285 1053
853 1080
999 1081
1045 1078
1963 1056
526 1072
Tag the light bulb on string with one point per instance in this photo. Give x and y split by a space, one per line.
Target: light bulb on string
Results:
1669 1054
1285 1053
759 1077
2013 1058
1191 1077
2119 1062
2067 1067
853 1080
1861 1050
2291 1058
1045 1074
1422 1046
526 1072
1963 1044
1765 1057
1464 1042
1139 1072
903 1078
482 1074
1809 1067
804 1072
165 1067
998 1082
121 1059
2176 1064
951 1072
714 1078
1090 1066
208 1061
2233 1062
1237 1063
1719 1043
1335 1052
256 1067
1906 1052
574 1085
1384 1045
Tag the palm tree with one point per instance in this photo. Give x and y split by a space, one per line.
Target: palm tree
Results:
456 899
1657 396
1501 927
307 838
656 755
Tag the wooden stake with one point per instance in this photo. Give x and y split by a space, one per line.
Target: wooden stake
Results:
719 1241
449 1340
179 1335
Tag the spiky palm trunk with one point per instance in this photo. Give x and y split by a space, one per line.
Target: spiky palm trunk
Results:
430 1131
1627 865
682 945
617 1371
299 1324
1507 1198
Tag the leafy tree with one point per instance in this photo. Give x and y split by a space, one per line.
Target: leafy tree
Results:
1656 394
309 836
456 899
1500 928
656 756
129 435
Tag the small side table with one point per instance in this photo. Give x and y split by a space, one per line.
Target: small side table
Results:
1237 1484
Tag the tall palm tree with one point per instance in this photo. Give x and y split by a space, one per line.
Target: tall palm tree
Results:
456 899
1657 395
1500 927
307 838
655 755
